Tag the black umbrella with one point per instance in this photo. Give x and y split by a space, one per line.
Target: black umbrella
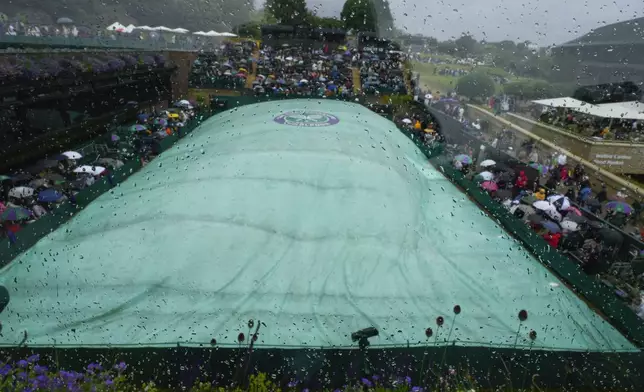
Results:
571 216
42 165
21 177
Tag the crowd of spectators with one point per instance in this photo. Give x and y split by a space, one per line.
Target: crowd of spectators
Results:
382 72
33 191
287 70
226 67
591 126
558 202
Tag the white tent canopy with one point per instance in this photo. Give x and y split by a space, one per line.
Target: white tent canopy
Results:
620 110
627 110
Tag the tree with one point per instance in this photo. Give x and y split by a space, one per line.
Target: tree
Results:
447 47
475 85
249 30
384 18
359 15
466 44
289 12
529 89
326 22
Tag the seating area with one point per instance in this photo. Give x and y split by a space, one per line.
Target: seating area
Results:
226 68
382 73
50 188
285 70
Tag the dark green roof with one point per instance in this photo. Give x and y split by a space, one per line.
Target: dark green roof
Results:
627 32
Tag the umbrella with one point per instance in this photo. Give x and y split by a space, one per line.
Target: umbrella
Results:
522 210
4 178
487 162
50 196
21 192
574 211
72 155
568 226
579 219
43 165
561 159
561 202
93 170
551 226
485 176
543 169
138 128
489 186
20 177
64 21
406 121
542 205
304 81
54 177
143 117
160 122
15 214
619 206
37 183
465 159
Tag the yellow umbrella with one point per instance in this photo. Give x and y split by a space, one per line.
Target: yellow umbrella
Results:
243 70
173 115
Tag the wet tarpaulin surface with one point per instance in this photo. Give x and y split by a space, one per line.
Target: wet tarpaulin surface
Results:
318 218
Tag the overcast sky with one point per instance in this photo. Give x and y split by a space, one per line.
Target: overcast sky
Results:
544 22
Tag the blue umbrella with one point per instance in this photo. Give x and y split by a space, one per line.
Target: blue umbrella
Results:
551 226
142 117
49 196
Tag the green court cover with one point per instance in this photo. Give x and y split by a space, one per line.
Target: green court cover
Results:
318 218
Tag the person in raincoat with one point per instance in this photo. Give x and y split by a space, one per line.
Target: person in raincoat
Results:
552 239
520 183
540 194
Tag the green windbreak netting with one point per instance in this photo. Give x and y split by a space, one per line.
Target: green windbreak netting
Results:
318 218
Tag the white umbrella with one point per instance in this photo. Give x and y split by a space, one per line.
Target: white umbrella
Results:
72 155
93 170
20 192
569 226
486 175
560 202
183 102
487 162
289 58
406 121
542 205
561 159
304 81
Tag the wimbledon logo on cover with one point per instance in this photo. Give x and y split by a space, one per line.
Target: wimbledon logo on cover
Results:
306 118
